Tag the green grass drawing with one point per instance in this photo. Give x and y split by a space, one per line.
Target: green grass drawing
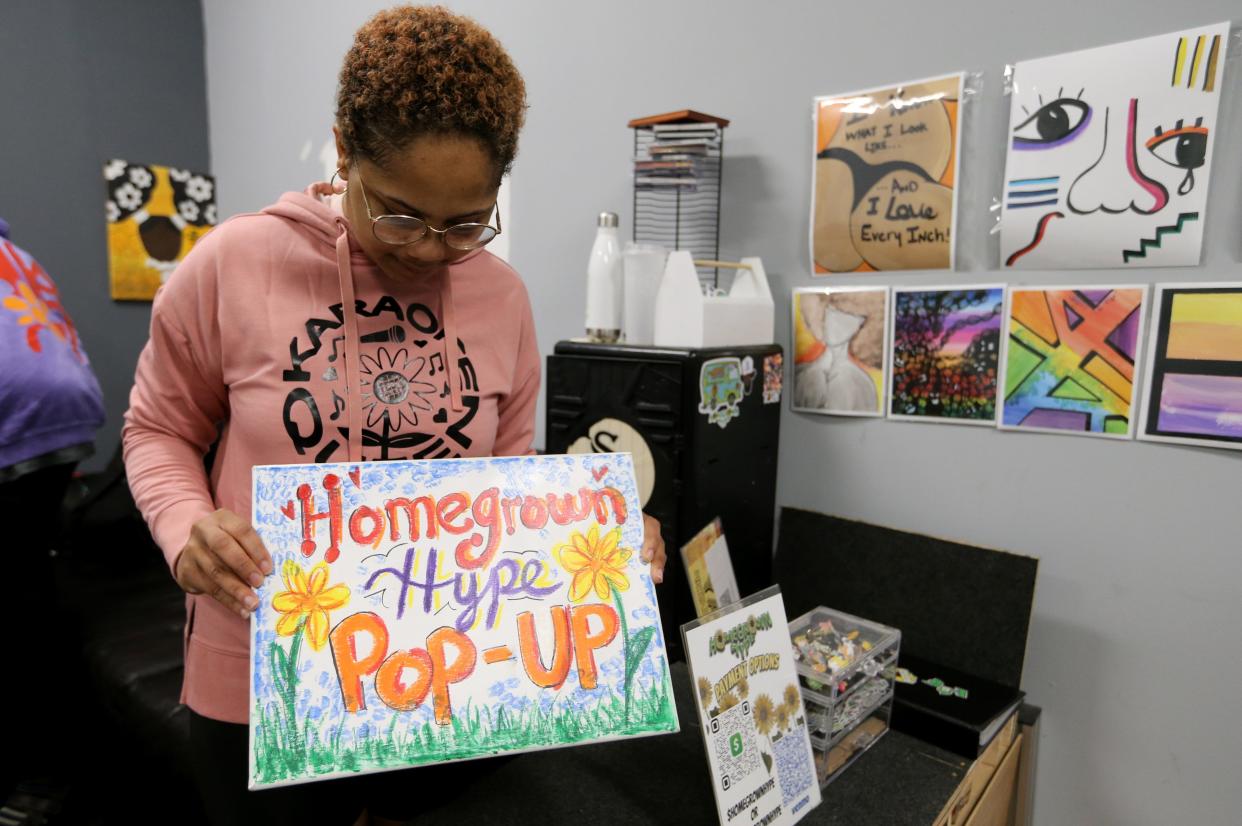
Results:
285 749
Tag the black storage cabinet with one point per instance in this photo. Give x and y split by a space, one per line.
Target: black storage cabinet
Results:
702 470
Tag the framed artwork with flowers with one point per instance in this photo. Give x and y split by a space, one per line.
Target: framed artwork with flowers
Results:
440 610
155 215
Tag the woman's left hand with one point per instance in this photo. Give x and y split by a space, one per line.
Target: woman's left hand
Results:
327 189
653 548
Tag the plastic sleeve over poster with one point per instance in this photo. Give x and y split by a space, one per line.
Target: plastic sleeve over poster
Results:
886 175
1109 152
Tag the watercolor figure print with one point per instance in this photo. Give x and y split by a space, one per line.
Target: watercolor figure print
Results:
1070 359
155 215
436 610
1110 153
945 354
839 352
884 194
1194 373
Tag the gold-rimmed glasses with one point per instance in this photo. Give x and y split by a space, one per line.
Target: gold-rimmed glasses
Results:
403 230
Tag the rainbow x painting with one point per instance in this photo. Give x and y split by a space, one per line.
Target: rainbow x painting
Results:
1194 377
1069 360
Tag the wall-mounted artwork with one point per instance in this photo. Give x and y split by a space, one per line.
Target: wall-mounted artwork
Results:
1110 153
155 215
884 193
1070 359
945 345
436 610
1193 385
839 350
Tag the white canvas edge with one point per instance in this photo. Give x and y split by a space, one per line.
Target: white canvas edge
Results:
1135 390
390 462
793 381
1223 25
957 176
250 782
1158 290
957 167
889 354
1225 29
251 764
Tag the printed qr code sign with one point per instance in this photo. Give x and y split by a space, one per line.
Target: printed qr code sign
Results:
733 740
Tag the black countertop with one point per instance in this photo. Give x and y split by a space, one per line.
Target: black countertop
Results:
664 779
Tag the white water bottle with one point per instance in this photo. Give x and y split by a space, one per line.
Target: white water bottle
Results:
604 298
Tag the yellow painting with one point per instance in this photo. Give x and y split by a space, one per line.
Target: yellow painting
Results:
1206 326
155 215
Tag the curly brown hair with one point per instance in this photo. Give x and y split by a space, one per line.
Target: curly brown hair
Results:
420 70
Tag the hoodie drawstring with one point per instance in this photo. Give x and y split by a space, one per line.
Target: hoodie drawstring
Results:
351 368
450 338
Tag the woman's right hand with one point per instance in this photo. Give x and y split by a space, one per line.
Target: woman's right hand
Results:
225 559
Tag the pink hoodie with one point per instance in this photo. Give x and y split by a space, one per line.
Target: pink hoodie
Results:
249 341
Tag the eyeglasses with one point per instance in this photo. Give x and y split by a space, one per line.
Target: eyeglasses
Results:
403 230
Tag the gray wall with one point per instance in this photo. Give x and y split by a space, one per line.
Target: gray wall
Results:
85 82
1133 650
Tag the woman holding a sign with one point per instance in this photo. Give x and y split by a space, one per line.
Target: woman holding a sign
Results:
353 322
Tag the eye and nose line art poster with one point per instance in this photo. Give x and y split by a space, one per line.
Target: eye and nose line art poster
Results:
884 177
437 610
1110 153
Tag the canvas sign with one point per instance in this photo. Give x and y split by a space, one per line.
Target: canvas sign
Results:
430 611
1110 153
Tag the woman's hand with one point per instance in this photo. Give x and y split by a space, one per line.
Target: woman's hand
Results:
224 559
653 548
327 189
